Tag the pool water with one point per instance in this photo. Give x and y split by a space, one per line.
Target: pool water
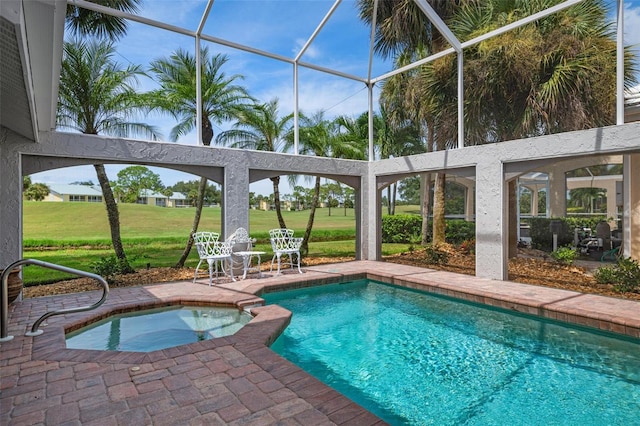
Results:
155 329
414 358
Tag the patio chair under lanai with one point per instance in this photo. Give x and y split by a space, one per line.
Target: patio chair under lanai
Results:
214 252
283 242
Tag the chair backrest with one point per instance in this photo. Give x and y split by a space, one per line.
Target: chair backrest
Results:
282 239
220 248
240 240
205 242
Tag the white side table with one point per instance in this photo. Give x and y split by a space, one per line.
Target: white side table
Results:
246 261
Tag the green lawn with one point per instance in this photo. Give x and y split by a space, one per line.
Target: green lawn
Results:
77 234
70 222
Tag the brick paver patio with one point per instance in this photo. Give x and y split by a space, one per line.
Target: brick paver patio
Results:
234 380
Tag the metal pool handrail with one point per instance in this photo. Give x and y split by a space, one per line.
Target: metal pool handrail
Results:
4 303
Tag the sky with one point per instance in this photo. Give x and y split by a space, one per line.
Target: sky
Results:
280 27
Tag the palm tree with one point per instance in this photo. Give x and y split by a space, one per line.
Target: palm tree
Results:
222 100
97 96
261 128
405 33
325 138
81 21
553 75
584 198
395 138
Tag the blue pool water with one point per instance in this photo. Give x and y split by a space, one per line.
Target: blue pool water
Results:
414 358
155 329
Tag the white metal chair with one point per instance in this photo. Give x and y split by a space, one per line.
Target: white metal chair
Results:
283 242
243 253
213 251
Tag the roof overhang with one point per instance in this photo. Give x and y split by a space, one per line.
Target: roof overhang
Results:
31 39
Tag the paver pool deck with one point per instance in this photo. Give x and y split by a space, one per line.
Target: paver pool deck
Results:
234 380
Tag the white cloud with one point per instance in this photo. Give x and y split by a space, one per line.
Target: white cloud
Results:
312 51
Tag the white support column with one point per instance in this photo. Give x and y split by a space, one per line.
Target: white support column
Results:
557 196
491 221
631 206
369 222
296 113
534 201
235 199
370 92
469 205
620 64
11 204
460 99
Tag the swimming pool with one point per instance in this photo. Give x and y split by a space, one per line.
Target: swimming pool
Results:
414 358
155 329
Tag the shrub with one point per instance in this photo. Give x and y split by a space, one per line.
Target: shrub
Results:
605 275
468 246
435 256
459 231
565 254
625 275
108 267
400 228
408 229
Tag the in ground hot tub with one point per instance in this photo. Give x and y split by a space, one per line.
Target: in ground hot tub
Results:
160 328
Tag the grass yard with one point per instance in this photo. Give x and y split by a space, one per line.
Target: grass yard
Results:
77 234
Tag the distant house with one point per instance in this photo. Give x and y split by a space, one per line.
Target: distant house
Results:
152 198
93 194
71 193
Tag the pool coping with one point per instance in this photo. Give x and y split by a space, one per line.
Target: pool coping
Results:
238 366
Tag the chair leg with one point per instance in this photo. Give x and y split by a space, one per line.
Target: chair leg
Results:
246 261
195 275
230 268
299 270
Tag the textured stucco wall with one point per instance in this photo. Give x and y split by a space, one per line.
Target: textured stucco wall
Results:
491 165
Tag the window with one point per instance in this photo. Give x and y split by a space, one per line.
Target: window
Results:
141 200
161 202
76 198
94 198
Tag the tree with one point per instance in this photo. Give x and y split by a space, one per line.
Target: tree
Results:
333 193
322 137
586 199
409 189
81 21
36 192
135 179
395 139
260 127
190 190
554 75
98 96
222 100
26 183
405 33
